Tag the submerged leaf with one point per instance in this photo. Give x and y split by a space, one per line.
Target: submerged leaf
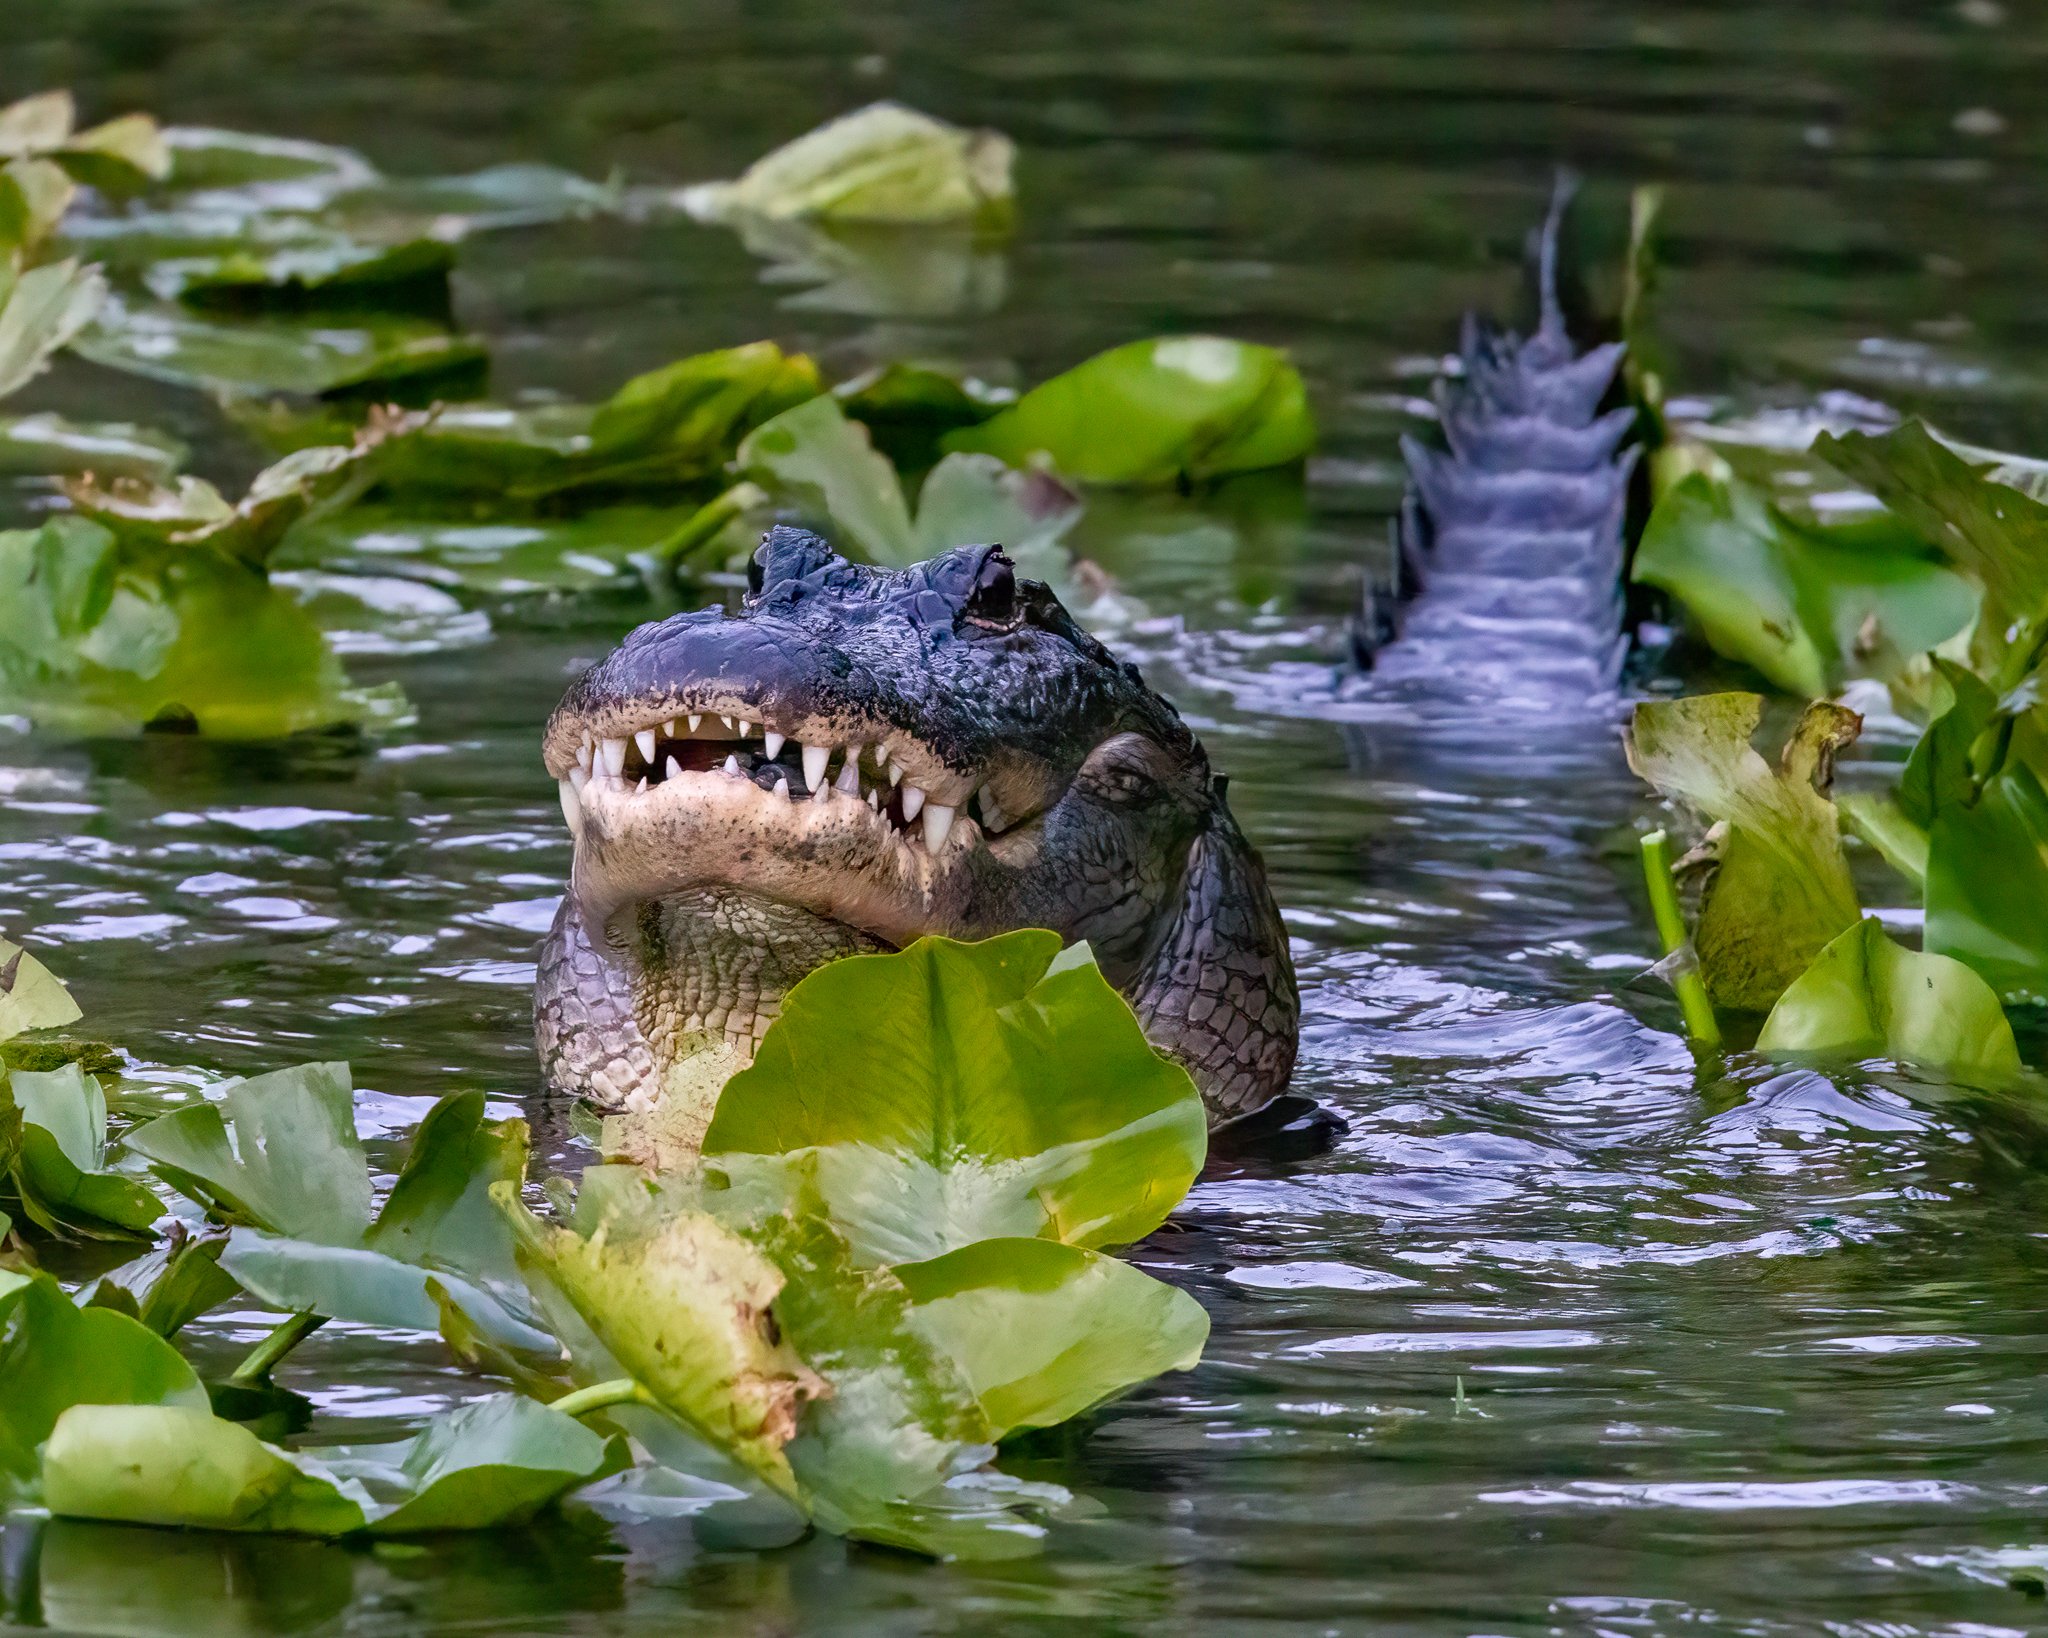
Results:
1045 1331
1866 997
982 1090
1780 891
1178 409
1807 605
883 163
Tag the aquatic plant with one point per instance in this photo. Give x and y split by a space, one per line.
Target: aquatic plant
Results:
851 1306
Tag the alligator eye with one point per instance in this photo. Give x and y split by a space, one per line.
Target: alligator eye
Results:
992 599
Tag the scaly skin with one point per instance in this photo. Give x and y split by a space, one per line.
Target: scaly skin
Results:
1057 791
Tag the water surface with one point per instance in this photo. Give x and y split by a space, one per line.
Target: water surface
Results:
1559 1334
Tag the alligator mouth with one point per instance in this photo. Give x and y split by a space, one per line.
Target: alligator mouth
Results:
857 822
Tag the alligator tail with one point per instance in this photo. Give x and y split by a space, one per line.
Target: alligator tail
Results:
1509 547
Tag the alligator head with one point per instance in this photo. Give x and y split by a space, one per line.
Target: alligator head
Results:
859 757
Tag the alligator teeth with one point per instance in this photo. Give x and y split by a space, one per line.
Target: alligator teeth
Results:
746 727
668 729
938 820
849 776
645 740
732 766
693 719
672 769
782 787
579 776
572 809
722 717
815 758
988 810
583 755
641 788
614 752
913 799
895 774
774 742
874 801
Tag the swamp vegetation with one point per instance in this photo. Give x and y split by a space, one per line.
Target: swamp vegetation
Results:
1692 1292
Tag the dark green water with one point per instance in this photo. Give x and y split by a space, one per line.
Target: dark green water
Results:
1561 1336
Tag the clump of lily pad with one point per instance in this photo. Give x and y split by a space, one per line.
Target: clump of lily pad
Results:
838 1314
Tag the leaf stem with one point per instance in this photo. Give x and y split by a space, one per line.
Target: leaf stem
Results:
602 1396
1691 989
265 1356
704 524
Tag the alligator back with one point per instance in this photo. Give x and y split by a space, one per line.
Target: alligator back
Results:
1506 599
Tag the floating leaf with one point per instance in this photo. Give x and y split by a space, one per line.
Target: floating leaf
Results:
490 1463
1780 889
31 997
883 163
1807 605
671 426
1046 1331
60 1175
1866 997
193 513
493 560
982 1090
328 273
39 445
817 459
683 1307
94 642
120 154
34 195
386 356
1178 409
40 311
54 1355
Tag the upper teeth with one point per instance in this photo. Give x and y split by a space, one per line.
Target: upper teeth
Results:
645 740
614 752
815 758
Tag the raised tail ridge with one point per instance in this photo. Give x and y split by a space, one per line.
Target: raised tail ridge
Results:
1509 546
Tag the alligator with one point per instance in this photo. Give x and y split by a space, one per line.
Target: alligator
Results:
1505 608
858 757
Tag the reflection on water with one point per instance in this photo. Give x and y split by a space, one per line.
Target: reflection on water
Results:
1546 1331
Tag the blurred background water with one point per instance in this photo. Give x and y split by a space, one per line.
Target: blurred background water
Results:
1561 1335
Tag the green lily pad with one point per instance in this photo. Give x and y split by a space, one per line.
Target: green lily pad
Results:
60 1175
884 163
54 1355
381 356
121 154
42 310
490 560
50 445
668 427
34 195
1780 888
985 1090
31 996
1046 1331
1866 997
491 1463
1809 606
1153 413
819 460
96 641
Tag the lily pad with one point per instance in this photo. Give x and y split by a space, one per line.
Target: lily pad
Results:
42 310
60 1175
1181 409
1867 997
327 274
1779 890
31 996
95 641
47 444
490 1463
1046 1331
54 1355
983 1091
121 154
883 163
1809 606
